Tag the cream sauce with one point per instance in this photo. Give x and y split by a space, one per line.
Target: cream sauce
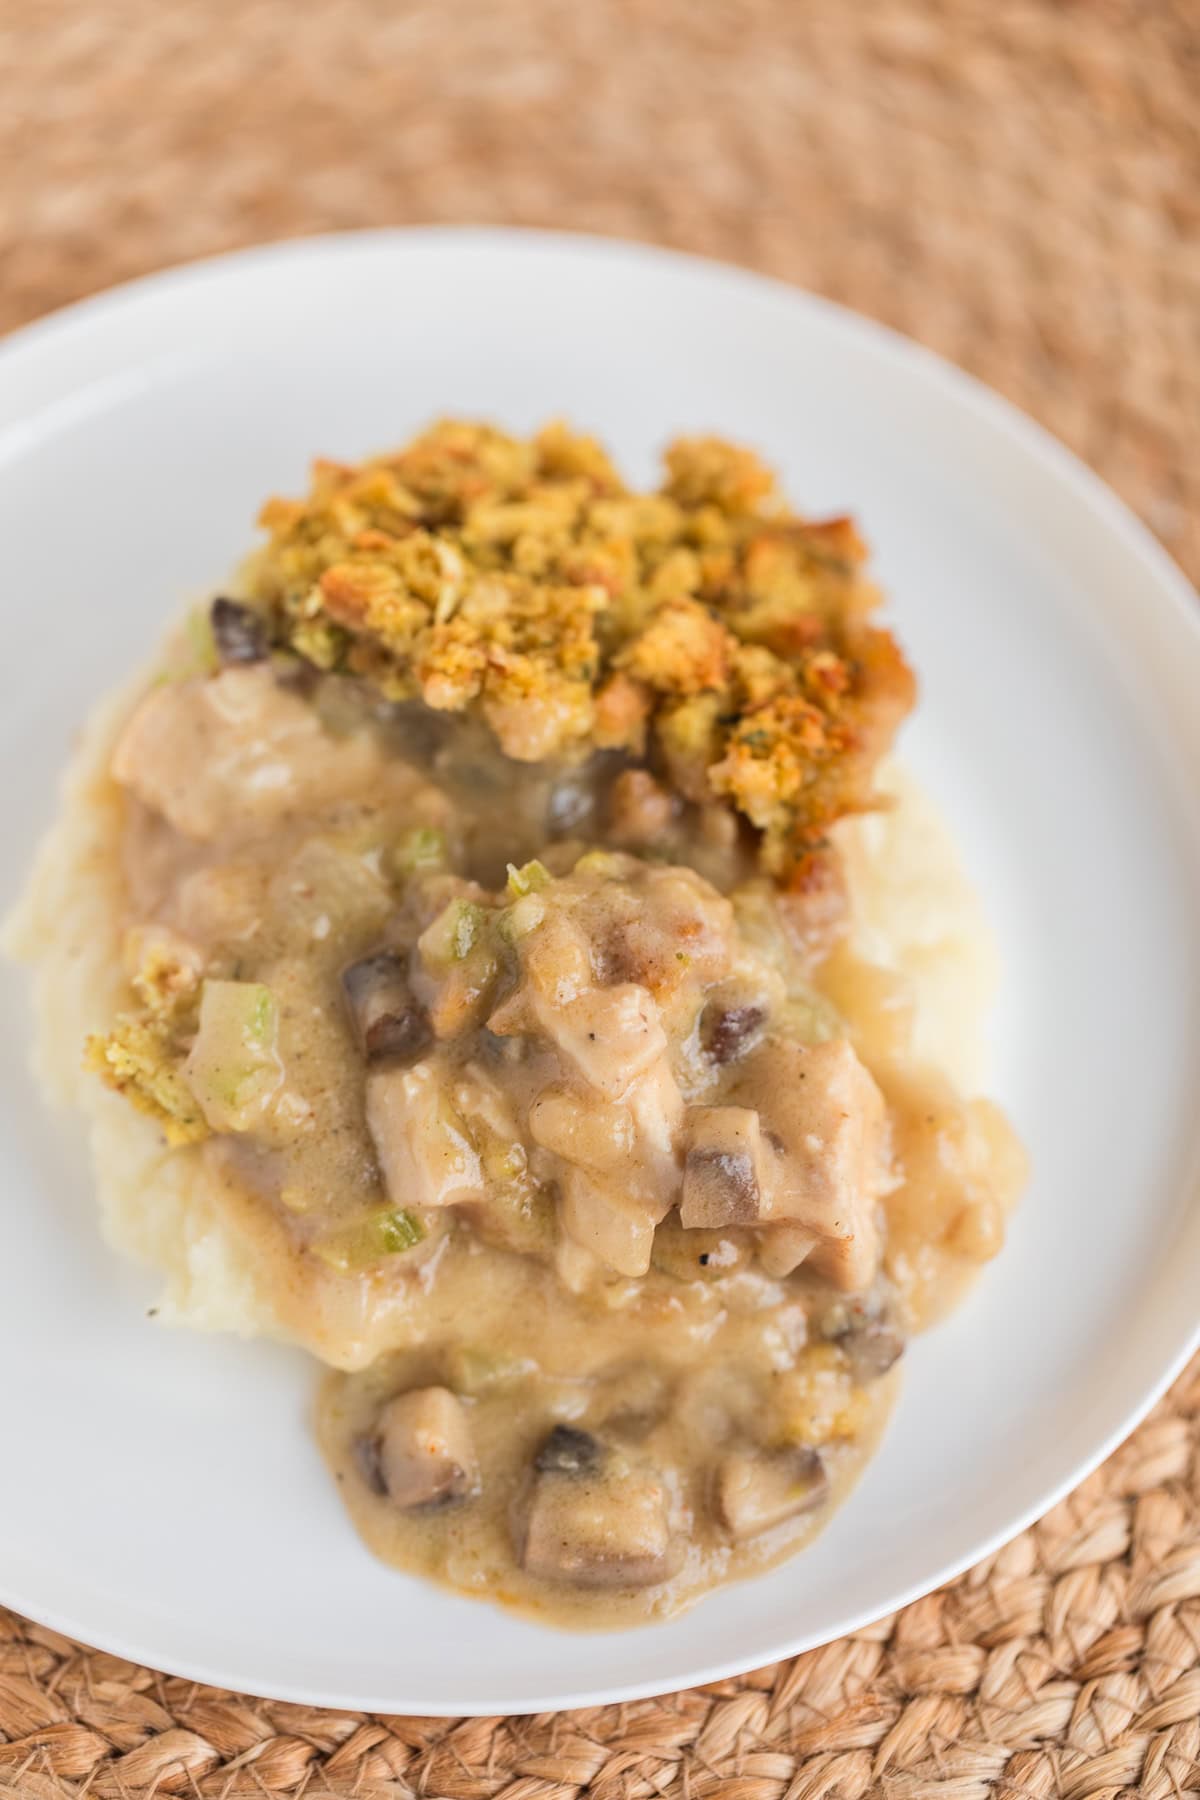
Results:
705 1356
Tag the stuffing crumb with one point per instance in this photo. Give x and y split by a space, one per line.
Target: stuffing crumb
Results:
142 1056
139 1059
705 627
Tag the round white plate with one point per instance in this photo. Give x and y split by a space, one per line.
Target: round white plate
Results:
160 1494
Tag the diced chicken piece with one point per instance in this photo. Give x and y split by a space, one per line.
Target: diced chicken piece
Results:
595 1520
554 958
620 1176
753 1491
658 1115
596 1135
391 1026
223 903
236 746
423 1449
670 930
602 1218
727 1172
827 1117
610 1035
783 1248
850 1262
323 888
424 1152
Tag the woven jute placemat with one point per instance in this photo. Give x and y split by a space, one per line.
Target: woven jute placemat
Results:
1017 185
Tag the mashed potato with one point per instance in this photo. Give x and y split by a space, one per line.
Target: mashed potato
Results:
155 1203
912 908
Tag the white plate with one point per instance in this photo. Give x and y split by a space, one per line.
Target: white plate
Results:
160 1494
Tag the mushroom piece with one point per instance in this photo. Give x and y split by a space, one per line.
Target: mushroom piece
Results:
726 1173
239 632
755 1490
821 1108
594 1519
421 1453
569 1451
870 1348
390 1023
727 1032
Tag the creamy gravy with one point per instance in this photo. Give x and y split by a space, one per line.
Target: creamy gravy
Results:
717 1403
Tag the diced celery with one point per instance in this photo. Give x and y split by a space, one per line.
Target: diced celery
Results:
327 893
379 1234
320 642
807 1016
522 917
194 651
234 1069
473 1370
453 934
527 879
467 928
504 1162
604 863
200 639
424 847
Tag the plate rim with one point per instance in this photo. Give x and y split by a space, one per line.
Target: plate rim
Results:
990 408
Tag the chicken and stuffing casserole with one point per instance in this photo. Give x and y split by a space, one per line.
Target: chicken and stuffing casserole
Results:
507 970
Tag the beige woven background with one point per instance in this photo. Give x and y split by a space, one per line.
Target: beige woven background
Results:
1017 185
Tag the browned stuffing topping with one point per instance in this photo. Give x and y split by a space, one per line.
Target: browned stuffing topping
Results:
703 627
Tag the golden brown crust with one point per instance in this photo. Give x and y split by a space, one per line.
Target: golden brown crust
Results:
705 626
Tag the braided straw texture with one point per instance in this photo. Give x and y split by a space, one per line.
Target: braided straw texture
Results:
1017 185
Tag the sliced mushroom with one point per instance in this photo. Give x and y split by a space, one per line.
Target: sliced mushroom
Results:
568 1451
594 1519
366 1458
239 632
391 1025
423 1450
570 801
726 1173
870 1348
821 1107
727 1032
755 1490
